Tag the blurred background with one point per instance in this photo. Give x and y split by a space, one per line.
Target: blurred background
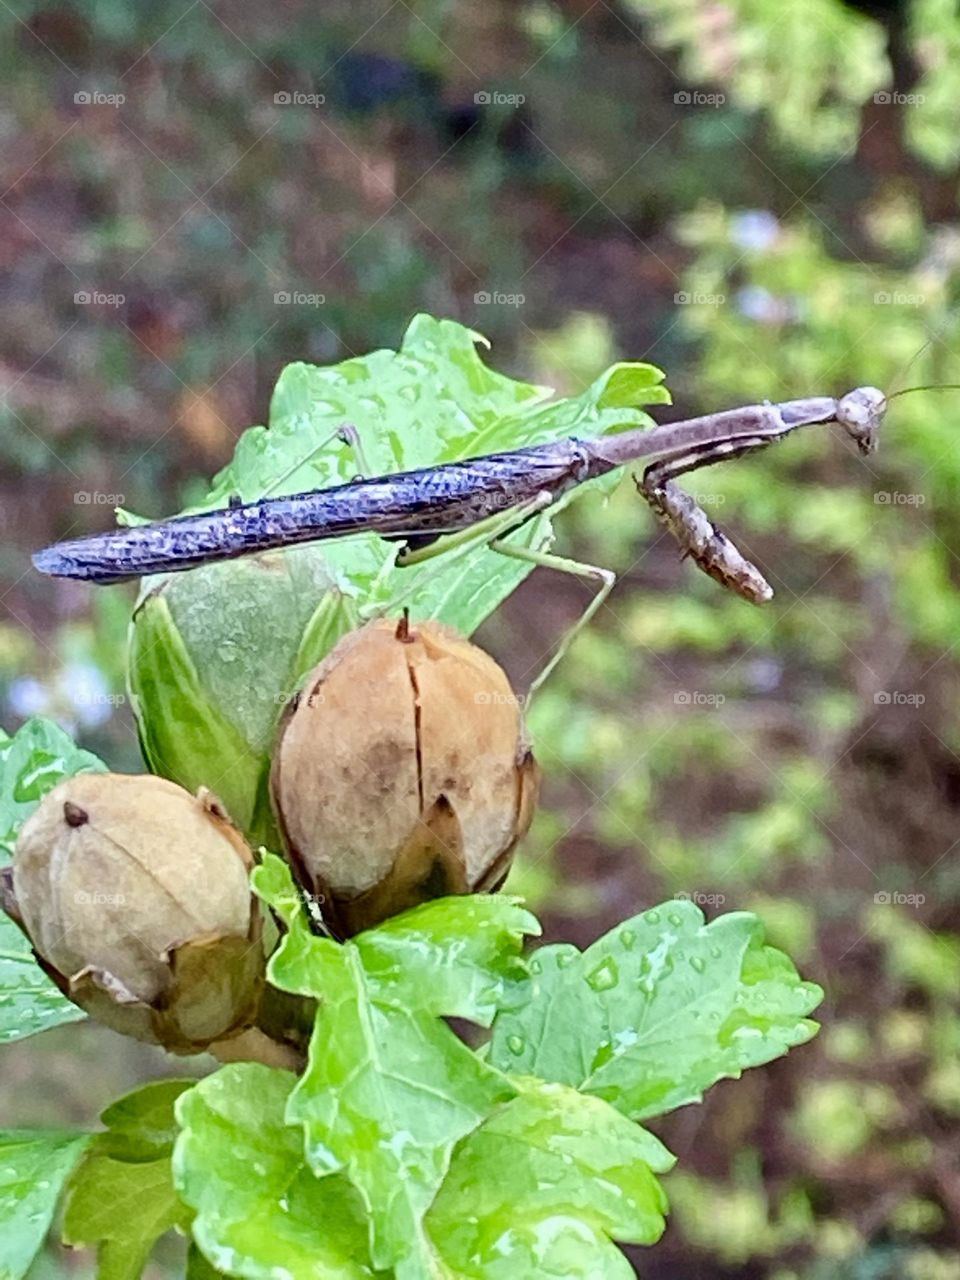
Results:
760 197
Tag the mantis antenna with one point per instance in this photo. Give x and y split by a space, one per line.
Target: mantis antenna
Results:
933 386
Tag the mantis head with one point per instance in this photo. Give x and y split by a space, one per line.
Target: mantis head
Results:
861 412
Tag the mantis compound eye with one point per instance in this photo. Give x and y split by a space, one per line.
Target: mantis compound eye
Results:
861 412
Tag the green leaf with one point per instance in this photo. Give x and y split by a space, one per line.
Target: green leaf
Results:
29 1002
121 1198
31 763
198 1268
142 1125
216 652
433 401
34 1165
657 1010
123 1210
389 1089
542 1187
260 1212
211 671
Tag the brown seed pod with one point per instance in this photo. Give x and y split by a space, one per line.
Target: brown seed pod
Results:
136 898
402 773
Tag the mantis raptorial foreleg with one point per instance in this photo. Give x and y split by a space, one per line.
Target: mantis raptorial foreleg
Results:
699 538
666 469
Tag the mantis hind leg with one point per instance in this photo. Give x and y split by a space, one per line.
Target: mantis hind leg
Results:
346 433
546 560
462 542
491 533
474 535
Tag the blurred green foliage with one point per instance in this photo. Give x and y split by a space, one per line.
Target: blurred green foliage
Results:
799 237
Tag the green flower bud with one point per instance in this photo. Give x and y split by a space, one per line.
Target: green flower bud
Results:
402 773
136 898
215 655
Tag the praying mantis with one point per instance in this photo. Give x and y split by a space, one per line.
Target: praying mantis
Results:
440 509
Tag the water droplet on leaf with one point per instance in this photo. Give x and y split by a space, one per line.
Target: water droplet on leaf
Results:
605 976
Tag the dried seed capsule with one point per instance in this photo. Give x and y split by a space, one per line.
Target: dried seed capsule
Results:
402 773
135 896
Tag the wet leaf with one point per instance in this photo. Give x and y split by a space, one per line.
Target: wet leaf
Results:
260 1212
545 1185
389 1089
121 1198
34 1165
211 671
32 762
198 1268
657 1010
